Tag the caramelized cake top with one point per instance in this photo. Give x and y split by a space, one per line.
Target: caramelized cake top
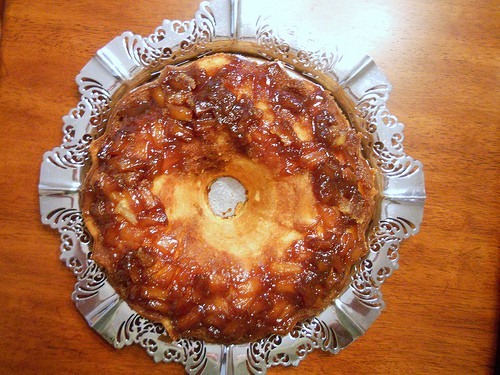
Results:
280 256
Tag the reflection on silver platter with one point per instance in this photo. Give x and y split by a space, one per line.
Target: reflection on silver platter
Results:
362 91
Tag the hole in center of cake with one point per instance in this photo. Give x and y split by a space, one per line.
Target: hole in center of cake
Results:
225 194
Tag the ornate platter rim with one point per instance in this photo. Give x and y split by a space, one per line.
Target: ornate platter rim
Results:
227 26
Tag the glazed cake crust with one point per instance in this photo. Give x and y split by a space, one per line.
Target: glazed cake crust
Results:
284 254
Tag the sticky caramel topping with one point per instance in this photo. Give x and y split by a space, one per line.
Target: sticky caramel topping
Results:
284 254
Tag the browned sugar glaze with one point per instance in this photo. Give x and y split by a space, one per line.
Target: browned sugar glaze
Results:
284 255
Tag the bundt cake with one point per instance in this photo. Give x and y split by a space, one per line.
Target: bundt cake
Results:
225 128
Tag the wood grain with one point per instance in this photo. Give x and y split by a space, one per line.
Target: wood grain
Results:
442 60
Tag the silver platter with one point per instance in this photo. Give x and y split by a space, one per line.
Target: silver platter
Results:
361 89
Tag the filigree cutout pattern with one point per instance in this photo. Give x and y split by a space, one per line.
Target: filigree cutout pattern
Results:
365 288
193 35
89 283
387 133
258 354
138 330
370 275
69 223
316 334
274 46
276 350
83 123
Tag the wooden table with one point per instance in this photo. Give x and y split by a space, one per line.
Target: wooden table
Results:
442 58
